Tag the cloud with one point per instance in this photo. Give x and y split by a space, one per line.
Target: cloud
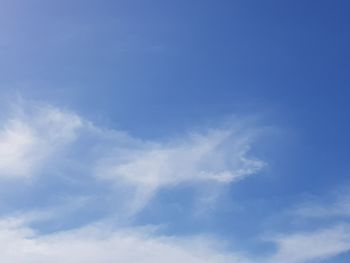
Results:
338 207
101 242
73 159
79 165
215 157
44 140
310 246
28 140
330 234
97 243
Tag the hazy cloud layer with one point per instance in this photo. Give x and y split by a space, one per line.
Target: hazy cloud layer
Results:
27 140
78 166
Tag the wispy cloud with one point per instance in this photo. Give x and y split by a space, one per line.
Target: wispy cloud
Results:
101 242
310 246
46 140
335 206
28 140
79 165
215 157
96 243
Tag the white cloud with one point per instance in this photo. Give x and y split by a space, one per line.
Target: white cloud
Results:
311 246
339 207
99 244
103 243
38 140
27 140
31 139
216 157
323 243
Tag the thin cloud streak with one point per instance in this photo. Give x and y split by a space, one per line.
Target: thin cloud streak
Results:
102 243
51 145
43 141
27 141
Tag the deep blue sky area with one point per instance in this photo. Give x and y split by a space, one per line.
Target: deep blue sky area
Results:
158 69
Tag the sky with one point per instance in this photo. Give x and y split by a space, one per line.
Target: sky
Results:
174 131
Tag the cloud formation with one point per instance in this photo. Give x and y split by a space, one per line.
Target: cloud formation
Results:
96 244
216 157
337 207
28 140
311 246
46 140
102 243
78 166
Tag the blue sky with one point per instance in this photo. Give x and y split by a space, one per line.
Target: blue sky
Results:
169 131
